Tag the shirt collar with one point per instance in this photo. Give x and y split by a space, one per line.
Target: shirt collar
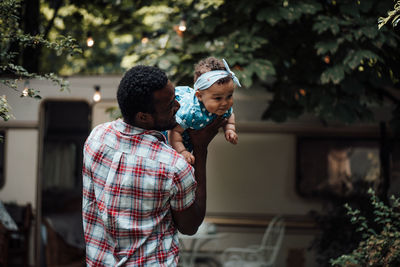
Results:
128 129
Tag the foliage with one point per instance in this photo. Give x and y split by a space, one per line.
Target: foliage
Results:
393 16
11 35
336 236
4 108
114 113
114 25
380 245
327 58
321 57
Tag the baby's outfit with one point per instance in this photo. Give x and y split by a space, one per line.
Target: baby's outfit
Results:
192 114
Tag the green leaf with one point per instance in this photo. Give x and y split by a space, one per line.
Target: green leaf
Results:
245 77
354 58
295 11
310 8
262 68
334 74
370 31
165 62
271 16
289 13
325 23
324 47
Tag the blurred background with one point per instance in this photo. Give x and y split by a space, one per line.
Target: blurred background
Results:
320 92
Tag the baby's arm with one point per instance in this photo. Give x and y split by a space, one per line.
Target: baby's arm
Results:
176 140
230 130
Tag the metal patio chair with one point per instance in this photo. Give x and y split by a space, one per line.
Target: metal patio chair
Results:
263 255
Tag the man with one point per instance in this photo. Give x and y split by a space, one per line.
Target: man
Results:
137 190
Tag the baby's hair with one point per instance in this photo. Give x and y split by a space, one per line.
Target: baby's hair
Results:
209 64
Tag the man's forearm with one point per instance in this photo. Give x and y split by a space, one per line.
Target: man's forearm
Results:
190 219
200 175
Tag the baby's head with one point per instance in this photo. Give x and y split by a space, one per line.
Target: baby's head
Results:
214 90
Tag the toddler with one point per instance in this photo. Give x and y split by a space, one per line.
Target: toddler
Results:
212 96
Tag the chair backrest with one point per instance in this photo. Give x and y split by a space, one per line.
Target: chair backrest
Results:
272 239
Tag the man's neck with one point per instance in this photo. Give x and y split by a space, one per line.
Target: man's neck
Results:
137 124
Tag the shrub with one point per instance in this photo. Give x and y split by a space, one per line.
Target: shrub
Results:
380 244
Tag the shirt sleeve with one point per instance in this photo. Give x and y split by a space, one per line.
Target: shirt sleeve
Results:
184 187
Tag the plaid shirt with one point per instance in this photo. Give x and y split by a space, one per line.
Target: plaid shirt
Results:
131 181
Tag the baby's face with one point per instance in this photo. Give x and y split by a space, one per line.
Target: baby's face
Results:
218 98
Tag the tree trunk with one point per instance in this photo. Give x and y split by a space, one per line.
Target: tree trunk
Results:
31 16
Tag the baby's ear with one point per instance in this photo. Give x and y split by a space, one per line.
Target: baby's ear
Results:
198 95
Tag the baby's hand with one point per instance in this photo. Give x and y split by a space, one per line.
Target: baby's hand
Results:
231 136
188 156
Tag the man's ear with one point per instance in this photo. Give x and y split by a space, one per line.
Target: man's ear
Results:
142 117
198 95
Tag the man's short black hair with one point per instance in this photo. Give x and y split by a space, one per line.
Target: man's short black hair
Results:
135 91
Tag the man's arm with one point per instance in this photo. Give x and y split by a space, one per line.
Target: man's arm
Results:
188 220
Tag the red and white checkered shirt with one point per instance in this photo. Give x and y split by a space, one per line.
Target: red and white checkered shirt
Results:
131 181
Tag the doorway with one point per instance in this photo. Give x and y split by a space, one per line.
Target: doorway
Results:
65 125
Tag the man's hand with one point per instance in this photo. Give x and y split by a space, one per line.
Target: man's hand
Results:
201 138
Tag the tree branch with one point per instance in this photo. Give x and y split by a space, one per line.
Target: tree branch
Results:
58 4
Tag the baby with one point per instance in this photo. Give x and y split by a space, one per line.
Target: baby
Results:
212 96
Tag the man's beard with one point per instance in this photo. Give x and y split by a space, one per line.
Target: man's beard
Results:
169 126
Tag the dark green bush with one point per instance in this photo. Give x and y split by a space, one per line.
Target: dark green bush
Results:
380 244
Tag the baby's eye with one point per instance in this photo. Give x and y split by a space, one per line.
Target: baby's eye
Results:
218 98
230 96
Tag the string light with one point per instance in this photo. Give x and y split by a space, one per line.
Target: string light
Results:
182 26
145 40
25 92
89 40
97 94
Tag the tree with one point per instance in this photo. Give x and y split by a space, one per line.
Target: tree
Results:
322 57
327 58
12 36
114 25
